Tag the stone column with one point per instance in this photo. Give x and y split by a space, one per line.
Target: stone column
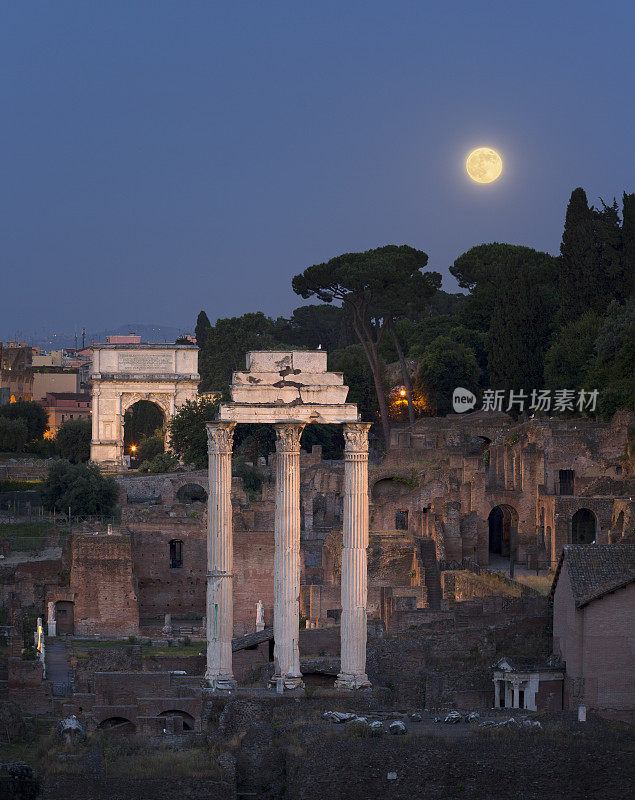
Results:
354 558
497 694
286 576
516 700
220 557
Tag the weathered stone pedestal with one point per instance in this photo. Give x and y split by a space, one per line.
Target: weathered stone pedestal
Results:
286 590
220 558
354 558
51 622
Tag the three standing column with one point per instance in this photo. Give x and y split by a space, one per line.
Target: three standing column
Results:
220 557
286 590
354 558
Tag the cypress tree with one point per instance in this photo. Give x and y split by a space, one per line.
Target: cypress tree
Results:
519 330
579 261
609 243
203 332
628 242
203 327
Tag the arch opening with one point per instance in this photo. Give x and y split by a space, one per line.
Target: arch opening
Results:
191 493
188 719
388 489
117 725
503 527
143 431
583 527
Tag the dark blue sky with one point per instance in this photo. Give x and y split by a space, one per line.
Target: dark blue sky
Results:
160 157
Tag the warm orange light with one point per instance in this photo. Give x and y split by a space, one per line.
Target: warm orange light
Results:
402 393
133 447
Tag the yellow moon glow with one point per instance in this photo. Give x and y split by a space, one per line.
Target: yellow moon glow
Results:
484 165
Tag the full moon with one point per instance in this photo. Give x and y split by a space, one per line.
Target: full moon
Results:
484 165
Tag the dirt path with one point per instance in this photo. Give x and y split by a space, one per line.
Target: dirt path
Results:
57 668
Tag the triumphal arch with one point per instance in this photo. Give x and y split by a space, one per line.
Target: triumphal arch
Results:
288 390
122 374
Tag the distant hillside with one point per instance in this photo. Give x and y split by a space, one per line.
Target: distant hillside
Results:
148 333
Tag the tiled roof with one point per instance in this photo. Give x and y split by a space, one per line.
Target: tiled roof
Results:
597 569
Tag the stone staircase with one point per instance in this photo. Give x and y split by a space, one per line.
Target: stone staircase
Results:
427 551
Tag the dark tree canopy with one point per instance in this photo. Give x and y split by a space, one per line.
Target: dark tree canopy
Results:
188 435
14 435
628 241
519 334
446 364
579 260
358 377
73 440
513 297
572 353
612 372
226 344
80 487
313 326
487 272
33 414
597 264
379 286
202 329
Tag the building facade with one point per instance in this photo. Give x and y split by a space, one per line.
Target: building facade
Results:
593 611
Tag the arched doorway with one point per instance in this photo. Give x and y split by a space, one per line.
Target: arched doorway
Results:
188 719
503 527
142 421
583 527
191 493
117 725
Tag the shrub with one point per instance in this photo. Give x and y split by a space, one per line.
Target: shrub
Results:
73 440
149 448
252 477
188 436
42 448
82 487
13 434
33 414
163 462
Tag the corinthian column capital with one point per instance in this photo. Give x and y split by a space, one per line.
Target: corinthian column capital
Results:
220 437
288 436
356 437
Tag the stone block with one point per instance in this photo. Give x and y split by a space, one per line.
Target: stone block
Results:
309 360
292 379
285 395
265 394
327 395
269 361
267 413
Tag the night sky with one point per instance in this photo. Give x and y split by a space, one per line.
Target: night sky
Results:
159 158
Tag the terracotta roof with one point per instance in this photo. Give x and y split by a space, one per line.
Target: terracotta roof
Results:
596 569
